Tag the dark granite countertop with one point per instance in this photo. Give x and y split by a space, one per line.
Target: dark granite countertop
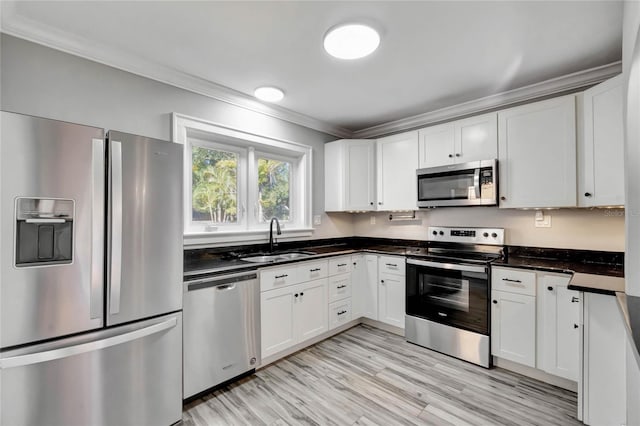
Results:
595 271
214 261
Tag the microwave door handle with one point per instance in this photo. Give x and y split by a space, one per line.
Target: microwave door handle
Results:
476 182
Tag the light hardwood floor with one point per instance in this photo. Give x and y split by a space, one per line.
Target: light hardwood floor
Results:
366 376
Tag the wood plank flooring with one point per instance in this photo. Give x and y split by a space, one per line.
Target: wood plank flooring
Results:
366 376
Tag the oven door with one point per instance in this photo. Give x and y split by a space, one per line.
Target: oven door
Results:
453 294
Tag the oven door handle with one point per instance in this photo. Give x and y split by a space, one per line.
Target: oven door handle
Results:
452 266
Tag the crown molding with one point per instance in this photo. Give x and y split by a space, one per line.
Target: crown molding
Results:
548 88
16 25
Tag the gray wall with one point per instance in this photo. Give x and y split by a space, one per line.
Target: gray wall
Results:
44 82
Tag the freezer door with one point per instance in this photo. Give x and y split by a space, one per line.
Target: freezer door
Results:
128 375
144 271
52 185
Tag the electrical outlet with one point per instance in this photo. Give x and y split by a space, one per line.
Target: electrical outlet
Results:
542 220
317 219
372 220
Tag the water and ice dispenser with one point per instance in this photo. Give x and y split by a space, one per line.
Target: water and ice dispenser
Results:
44 231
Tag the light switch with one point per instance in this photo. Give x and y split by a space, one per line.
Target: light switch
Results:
372 220
317 219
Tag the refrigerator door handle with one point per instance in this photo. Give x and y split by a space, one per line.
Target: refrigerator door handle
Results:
116 227
65 352
97 229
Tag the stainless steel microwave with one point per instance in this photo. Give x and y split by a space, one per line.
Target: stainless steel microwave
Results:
466 184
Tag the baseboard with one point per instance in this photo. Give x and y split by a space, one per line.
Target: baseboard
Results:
534 373
293 349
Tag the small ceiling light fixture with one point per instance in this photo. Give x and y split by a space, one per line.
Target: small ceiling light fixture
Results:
269 94
351 41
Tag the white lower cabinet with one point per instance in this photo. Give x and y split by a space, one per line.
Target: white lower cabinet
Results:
604 370
293 311
339 313
536 320
560 326
391 292
513 327
364 279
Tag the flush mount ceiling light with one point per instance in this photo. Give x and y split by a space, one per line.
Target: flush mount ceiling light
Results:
268 94
351 41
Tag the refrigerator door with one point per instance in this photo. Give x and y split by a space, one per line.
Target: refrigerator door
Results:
144 268
128 375
52 226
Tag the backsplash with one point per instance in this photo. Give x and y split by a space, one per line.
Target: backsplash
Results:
596 229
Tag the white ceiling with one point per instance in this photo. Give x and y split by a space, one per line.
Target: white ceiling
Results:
433 54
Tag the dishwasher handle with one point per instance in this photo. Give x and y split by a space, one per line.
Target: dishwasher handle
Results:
224 282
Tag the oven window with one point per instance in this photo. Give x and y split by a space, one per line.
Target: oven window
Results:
456 298
447 186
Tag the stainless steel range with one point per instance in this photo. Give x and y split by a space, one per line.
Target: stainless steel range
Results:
448 292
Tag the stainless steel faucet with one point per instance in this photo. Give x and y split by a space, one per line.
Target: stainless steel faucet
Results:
278 232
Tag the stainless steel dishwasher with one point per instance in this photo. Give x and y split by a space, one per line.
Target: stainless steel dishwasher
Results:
221 321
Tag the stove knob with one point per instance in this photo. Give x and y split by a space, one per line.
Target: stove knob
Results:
494 235
435 232
441 233
486 234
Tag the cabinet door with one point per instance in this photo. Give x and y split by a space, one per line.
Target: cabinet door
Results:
397 162
392 299
559 327
370 287
537 154
277 320
310 311
358 276
436 147
605 375
360 176
601 150
476 138
513 327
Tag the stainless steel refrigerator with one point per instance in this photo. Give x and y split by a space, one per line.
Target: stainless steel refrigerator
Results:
90 276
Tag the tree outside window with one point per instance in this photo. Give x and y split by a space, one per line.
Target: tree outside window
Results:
274 190
215 185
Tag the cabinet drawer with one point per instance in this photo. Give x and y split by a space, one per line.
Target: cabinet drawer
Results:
278 277
513 280
392 265
309 271
339 265
339 287
339 313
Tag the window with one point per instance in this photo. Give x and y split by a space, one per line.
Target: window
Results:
235 182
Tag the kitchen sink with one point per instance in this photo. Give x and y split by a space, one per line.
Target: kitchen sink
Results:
276 257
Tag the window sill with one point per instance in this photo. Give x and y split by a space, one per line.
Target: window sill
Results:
230 238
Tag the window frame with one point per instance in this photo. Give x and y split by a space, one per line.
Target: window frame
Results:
186 130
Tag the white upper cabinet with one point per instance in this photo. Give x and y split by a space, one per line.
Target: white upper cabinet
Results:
349 175
397 161
600 147
537 154
462 141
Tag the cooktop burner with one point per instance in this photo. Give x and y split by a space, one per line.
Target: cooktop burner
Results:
477 245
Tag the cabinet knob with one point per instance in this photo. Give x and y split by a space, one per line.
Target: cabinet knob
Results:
575 299
301 294
495 302
587 194
295 295
575 326
450 155
503 198
550 288
379 203
371 203
458 154
381 281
